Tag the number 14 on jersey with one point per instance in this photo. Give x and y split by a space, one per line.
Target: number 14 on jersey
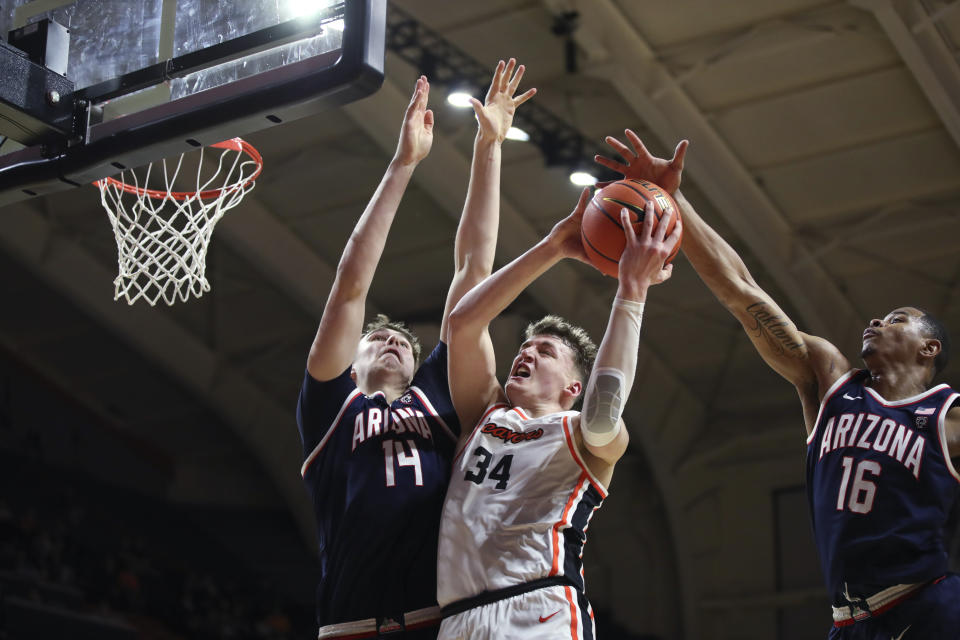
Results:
395 455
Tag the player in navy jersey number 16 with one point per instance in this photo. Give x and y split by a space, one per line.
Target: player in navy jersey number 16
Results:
378 427
880 478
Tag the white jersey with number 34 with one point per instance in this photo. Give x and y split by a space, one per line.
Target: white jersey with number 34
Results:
518 506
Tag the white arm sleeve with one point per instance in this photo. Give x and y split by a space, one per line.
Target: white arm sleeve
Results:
612 376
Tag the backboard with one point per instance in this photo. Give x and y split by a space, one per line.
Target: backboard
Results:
91 87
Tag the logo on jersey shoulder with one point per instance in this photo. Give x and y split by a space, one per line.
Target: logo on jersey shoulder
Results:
508 435
407 399
922 414
847 396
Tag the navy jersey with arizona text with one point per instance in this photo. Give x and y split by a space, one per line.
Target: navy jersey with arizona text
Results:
880 484
377 474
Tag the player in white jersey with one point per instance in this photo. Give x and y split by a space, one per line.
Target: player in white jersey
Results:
523 498
530 471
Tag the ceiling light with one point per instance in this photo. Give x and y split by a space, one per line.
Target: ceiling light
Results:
582 179
460 99
302 8
514 133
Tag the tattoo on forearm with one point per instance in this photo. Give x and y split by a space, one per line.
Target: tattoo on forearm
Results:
774 328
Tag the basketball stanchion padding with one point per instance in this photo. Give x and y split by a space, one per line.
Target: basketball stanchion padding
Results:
163 234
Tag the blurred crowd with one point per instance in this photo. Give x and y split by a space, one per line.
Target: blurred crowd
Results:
56 561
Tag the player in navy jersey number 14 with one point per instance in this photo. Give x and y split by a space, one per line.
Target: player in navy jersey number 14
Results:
880 478
378 428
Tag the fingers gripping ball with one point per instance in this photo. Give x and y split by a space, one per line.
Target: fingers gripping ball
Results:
601 231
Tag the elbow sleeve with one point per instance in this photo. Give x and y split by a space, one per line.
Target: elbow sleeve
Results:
602 407
612 376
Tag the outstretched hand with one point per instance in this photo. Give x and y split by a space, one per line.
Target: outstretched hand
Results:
416 135
641 264
641 165
566 233
496 115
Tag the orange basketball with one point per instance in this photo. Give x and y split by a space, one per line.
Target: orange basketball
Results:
601 231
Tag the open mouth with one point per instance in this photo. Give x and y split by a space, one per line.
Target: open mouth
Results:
869 333
393 352
520 371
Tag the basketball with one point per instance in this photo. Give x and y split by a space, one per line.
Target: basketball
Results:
601 231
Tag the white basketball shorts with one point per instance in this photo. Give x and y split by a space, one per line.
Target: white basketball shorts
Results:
552 613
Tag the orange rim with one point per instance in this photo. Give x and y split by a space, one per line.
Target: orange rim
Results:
236 144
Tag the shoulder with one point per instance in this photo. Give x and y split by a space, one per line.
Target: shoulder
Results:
500 413
853 380
327 390
599 469
434 366
827 365
334 380
431 376
322 405
438 353
827 361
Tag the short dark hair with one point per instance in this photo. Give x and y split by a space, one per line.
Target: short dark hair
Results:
584 349
383 321
937 331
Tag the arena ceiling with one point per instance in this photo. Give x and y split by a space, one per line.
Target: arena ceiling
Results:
825 147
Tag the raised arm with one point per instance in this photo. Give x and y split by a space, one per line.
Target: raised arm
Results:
641 266
472 366
476 241
341 326
810 363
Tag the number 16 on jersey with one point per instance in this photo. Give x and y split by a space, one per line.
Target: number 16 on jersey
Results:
863 491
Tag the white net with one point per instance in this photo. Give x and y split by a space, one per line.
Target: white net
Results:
163 234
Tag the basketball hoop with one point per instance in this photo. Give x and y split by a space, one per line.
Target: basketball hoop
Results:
162 234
